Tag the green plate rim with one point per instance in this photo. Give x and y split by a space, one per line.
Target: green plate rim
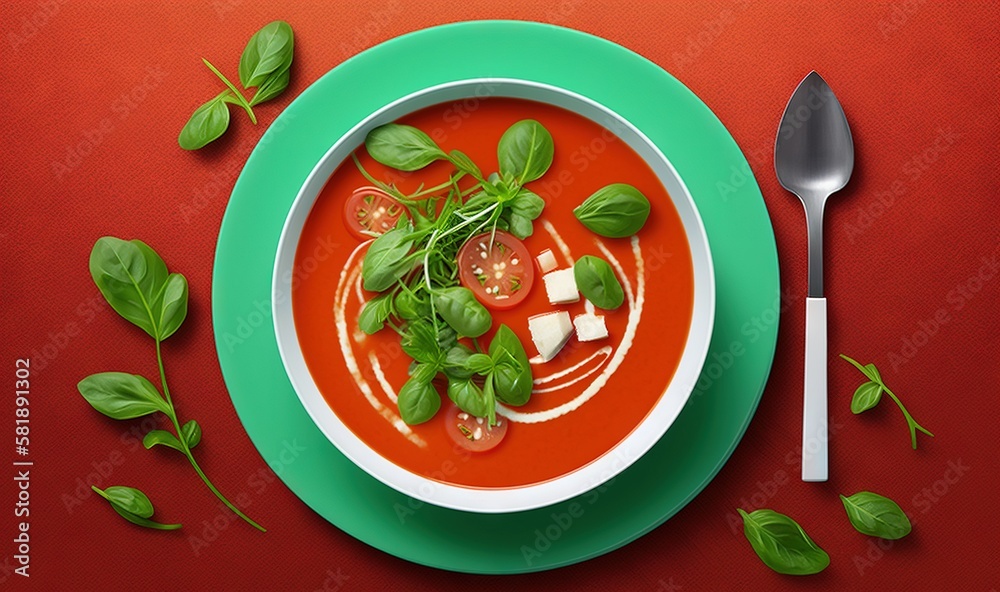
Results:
619 511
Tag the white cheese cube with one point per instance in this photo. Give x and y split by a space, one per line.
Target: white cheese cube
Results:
560 286
590 327
546 261
550 332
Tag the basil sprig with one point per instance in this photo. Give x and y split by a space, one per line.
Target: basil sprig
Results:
136 283
132 505
876 515
868 394
265 64
782 544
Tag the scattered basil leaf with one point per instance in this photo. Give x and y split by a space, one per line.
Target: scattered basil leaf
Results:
235 96
597 282
268 51
867 396
122 396
782 544
133 505
870 393
525 151
374 313
162 438
207 123
418 400
384 262
402 147
876 515
615 211
455 362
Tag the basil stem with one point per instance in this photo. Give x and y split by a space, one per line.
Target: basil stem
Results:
869 393
237 98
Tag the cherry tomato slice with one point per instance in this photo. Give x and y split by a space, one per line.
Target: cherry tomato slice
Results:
501 276
474 433
371 210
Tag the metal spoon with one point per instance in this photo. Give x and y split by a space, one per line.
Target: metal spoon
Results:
813 158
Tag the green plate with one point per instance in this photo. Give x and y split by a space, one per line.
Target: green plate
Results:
657 485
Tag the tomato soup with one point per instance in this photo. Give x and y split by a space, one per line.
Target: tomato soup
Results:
585 400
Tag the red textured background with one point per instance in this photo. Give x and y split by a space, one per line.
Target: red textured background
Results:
916 227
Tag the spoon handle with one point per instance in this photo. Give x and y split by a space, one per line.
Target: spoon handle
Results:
814 412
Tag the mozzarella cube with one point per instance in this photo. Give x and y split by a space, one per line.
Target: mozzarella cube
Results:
560 286
546 261
550 332
590 327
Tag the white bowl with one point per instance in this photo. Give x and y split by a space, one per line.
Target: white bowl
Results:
497 500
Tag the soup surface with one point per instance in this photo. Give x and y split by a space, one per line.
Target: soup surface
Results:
585 400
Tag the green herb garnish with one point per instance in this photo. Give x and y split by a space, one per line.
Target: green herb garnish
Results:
597 282
870 393
132 505
782 544
265 64
414 267
615 211
135 282
876 515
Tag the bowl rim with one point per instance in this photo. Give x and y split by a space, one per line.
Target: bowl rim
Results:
524 497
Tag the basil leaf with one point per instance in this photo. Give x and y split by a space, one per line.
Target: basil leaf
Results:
418 400
268 51
384 262
420 342
464 164
207 123
409 307
478 202
374 313
468 397
876 515
505 340
782 544
133 505
134 281
513 384
525 151
455 362
597 282
460 309
615 211
192 433
866 396
527 204
121 396
402 147
170 305
520 226
129 499
272 86
162 438
479 363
